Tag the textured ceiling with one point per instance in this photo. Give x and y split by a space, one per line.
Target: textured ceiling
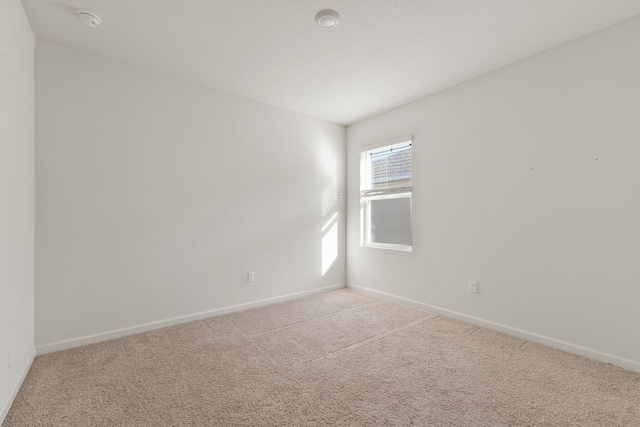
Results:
382 54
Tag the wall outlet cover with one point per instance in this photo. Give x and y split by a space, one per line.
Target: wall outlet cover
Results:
473 287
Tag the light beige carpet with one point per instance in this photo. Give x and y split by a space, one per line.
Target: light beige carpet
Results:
340 358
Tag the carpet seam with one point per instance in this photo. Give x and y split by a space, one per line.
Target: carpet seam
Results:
314 318
366 341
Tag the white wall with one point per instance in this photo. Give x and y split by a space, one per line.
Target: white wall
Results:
155 197
16 199
527 180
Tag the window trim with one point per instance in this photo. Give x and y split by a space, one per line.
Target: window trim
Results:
388 143
366 196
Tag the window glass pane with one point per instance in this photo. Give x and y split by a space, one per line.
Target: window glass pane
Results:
391 221
390 167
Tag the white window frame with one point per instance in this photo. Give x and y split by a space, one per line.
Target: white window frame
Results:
367 196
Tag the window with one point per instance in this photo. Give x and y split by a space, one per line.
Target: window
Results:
385 195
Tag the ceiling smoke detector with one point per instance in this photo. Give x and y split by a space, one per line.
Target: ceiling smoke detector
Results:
90 19
327 18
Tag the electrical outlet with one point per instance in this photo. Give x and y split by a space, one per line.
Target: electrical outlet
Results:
251 277
473 287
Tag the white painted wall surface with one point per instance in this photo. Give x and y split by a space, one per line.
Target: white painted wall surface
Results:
16 199
526 180
155 197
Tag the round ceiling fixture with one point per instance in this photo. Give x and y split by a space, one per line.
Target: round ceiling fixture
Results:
327 18
90 19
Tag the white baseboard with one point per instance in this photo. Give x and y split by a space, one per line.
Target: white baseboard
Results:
118 333
25 370
632 365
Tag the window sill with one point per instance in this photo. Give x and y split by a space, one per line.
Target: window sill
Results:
401 248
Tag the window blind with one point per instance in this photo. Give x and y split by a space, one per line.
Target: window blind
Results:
387 170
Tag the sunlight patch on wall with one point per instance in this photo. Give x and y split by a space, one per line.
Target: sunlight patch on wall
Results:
329 247
329 230
330 197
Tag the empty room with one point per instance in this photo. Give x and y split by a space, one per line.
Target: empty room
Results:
318 213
